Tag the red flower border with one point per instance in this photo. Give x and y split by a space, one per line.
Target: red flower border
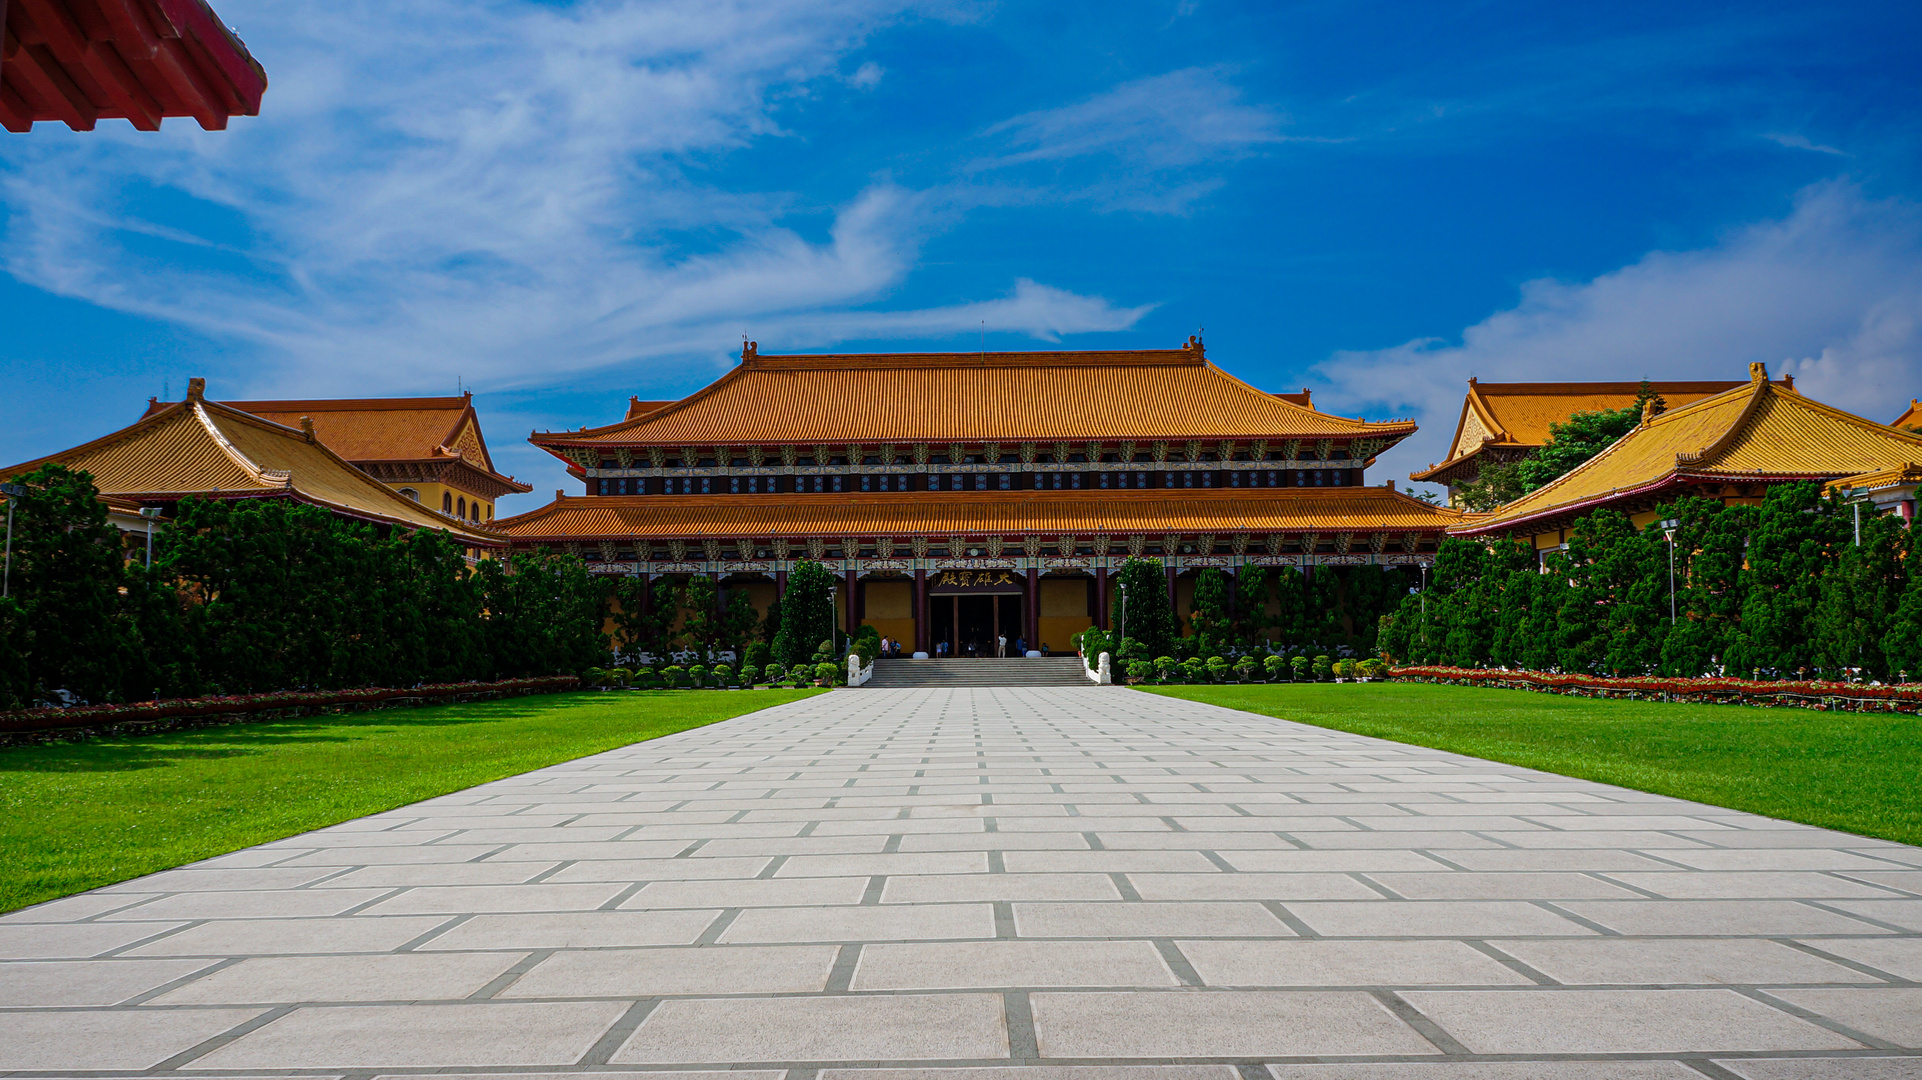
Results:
28 720
1811 694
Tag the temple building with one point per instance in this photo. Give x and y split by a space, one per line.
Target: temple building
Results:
82 61
1729 446
1506 422
211 450
427 449
963 495
1911 418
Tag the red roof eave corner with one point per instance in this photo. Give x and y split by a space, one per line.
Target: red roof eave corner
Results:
81 61
222 49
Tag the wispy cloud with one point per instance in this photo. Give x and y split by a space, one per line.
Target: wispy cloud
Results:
1801 142
499 189
1137 143
1831 293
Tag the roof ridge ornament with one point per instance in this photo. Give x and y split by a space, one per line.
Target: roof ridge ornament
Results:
196 389
750 350
1758 372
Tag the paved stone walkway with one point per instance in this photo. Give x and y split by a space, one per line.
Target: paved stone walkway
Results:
1076 884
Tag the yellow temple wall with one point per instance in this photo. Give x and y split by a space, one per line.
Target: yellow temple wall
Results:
890 610
1063 612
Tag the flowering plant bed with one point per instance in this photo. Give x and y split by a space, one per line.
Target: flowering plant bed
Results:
1809 694
271 706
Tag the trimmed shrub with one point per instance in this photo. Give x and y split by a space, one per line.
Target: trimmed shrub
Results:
1166 668
750 675
723 676
1324 667
1141 670
1274 666
675 675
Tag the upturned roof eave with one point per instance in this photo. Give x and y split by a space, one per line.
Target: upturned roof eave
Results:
583 440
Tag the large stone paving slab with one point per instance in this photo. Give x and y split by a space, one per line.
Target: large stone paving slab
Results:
1044 884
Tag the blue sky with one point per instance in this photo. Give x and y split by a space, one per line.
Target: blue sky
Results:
559 205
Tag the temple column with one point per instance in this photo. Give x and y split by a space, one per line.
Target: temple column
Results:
921 638
1101 598
1032 616
854 608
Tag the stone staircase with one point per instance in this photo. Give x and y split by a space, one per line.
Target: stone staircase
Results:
1029 671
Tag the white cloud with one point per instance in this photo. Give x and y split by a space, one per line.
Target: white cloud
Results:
502 190
1801 142
1166 121
1831 293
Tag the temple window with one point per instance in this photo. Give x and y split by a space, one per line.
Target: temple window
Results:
1104 480
1006 480
1274 478
410 493
1167 479
867 482
1207 479
1187 479
1234 479
446 502
733 485
1074 481
460 507
980 481
837 482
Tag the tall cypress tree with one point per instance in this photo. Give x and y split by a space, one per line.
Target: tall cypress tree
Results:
1711 544
1788 556
1149 618
1861 594
66 579
807 613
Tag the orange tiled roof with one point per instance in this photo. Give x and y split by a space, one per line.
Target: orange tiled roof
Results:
1911 417
1907 473
1758 431
901 514
386 430
1518 415
204 448
972 397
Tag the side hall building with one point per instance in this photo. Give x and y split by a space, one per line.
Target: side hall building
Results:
964 495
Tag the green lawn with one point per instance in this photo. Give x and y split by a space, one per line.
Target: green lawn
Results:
75 816
1858 772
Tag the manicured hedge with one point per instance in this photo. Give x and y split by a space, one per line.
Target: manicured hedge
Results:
262 595
1783 590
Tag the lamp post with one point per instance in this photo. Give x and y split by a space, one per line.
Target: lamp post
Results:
1669 525
12 492
151 513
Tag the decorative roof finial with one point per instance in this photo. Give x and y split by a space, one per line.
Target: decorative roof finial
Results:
749 349
1758 372
307 427
196 389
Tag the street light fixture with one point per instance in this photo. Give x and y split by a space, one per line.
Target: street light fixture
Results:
1669 525
151 513
12 492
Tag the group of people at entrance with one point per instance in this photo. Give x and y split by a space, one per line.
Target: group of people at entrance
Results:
1001 645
